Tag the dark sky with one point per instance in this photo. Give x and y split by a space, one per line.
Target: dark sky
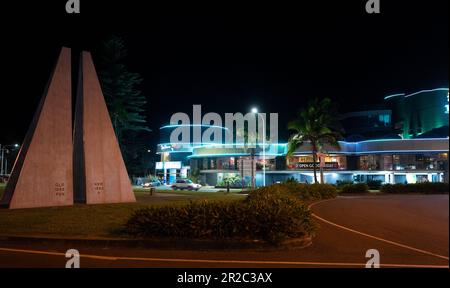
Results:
229 58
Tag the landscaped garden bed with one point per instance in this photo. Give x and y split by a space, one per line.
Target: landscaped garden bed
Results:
270 217
274 214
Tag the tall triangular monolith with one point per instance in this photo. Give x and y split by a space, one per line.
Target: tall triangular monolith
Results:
99 170
42 172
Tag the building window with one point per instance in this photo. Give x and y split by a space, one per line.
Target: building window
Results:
305 162
426 161
385 119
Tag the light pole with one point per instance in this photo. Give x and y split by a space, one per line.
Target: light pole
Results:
4 162
255 111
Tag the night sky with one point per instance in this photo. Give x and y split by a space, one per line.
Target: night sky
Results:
230 58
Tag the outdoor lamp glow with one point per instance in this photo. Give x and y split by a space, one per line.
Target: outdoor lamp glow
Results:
255 111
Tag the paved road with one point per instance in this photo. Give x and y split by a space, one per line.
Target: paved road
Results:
405 229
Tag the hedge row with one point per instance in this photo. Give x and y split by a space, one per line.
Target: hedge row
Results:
355 188
269 217
372 184
426 188
298 190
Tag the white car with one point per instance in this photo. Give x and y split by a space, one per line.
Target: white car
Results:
155 183
185 184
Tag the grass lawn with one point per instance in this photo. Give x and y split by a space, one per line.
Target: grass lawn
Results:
2 187
96 221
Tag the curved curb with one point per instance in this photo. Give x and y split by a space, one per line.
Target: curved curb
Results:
161 243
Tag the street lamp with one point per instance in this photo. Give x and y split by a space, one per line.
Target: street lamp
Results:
4 160
255 111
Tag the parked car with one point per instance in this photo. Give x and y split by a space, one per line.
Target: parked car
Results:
154 183
185 184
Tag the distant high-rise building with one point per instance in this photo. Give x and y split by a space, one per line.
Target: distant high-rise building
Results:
420 112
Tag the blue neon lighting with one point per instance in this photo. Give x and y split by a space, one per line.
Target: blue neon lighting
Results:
401 151
375 152
229 155
284 144
425 91
394 95
415 93
192 125
388 140
209 145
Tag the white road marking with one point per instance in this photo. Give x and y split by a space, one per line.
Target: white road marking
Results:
372 236
214 261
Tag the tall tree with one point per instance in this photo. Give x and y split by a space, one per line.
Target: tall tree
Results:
317 125
126 104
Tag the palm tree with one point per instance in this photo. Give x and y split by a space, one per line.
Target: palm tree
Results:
230 179
317 126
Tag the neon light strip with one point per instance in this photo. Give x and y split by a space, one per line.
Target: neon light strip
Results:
336 152
375 152
284 144
238 144
415 93
425 91
389 140
192 125
181 143
230 155
394 95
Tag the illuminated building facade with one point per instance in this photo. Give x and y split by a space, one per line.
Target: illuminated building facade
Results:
419 113
403 155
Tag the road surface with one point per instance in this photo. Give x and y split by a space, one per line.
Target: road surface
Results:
407 230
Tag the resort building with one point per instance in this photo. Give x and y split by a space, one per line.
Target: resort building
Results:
407 149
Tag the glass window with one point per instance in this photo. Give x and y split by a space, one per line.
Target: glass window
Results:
305 162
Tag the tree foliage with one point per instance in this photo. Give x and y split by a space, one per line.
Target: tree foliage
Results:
317 125
126 104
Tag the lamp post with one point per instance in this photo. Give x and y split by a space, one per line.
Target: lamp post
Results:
255 111
4 162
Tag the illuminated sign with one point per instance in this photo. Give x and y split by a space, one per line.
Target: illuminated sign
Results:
310 165
168 165
166 147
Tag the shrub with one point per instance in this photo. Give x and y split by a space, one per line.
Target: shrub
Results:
342 183
269 217
291 180
426 188
276 217
393 188
321 191
299 190
374 184
355 188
